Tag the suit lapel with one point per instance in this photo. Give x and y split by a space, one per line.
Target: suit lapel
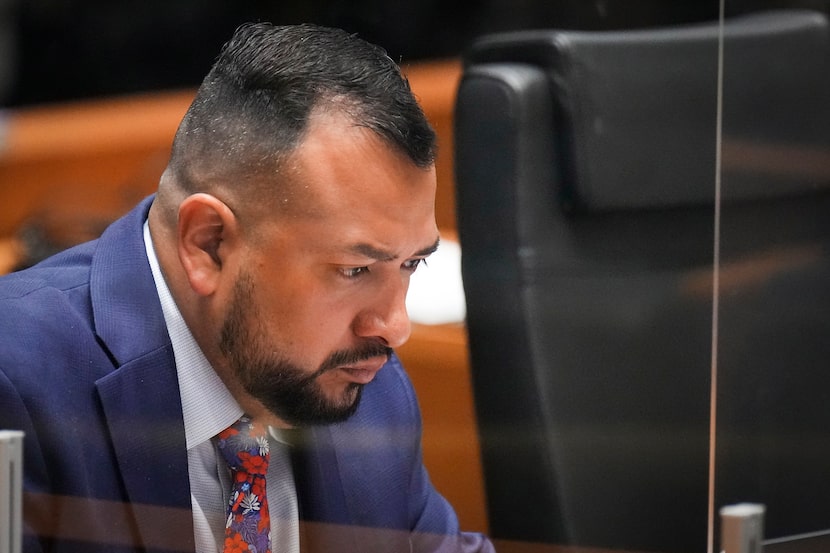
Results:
143 412
331 495
327 524
141 398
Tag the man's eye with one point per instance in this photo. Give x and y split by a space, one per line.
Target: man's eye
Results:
413 264
354 272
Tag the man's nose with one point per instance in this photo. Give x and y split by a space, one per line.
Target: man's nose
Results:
386 318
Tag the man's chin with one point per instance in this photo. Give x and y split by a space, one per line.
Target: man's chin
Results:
316 411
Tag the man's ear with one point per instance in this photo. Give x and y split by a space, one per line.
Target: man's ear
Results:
207 235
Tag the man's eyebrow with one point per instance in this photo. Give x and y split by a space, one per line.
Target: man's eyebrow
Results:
429 250
379 254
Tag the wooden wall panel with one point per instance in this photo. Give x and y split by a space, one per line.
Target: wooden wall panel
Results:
98 157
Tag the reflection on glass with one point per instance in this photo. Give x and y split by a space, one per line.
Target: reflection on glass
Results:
585 164
586 167
773 319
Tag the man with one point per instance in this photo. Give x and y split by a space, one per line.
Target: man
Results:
265 282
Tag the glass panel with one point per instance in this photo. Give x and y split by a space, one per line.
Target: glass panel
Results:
606 442
773 314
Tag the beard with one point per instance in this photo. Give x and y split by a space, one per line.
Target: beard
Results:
287 390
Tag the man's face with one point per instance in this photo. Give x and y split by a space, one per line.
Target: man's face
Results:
319 302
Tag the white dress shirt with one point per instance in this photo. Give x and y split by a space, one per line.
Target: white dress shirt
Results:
208 408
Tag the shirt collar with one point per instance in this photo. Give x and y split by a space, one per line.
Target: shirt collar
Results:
207 405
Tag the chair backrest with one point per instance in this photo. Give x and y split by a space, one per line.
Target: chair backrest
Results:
586 171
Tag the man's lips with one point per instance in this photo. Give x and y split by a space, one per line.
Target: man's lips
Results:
365 371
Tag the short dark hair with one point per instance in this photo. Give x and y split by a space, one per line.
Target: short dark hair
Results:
253 106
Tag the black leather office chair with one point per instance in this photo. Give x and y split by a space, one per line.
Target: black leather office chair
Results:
585 165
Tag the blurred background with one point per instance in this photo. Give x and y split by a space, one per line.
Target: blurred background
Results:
55 50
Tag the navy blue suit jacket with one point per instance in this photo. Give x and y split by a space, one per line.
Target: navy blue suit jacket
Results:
87 372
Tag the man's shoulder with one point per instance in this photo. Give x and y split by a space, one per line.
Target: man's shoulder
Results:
392 390
62 272
46 310
53 291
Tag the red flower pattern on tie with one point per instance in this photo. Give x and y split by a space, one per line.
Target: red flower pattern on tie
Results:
244 447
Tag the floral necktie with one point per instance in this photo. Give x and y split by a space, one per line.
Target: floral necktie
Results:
245 448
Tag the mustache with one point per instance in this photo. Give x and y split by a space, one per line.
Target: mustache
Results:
355 355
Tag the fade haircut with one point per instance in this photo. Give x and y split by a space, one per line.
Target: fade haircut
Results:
252 108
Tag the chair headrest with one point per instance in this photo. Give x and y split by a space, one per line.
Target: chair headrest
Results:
638 108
